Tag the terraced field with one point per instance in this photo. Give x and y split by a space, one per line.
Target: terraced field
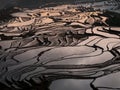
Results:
40 46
